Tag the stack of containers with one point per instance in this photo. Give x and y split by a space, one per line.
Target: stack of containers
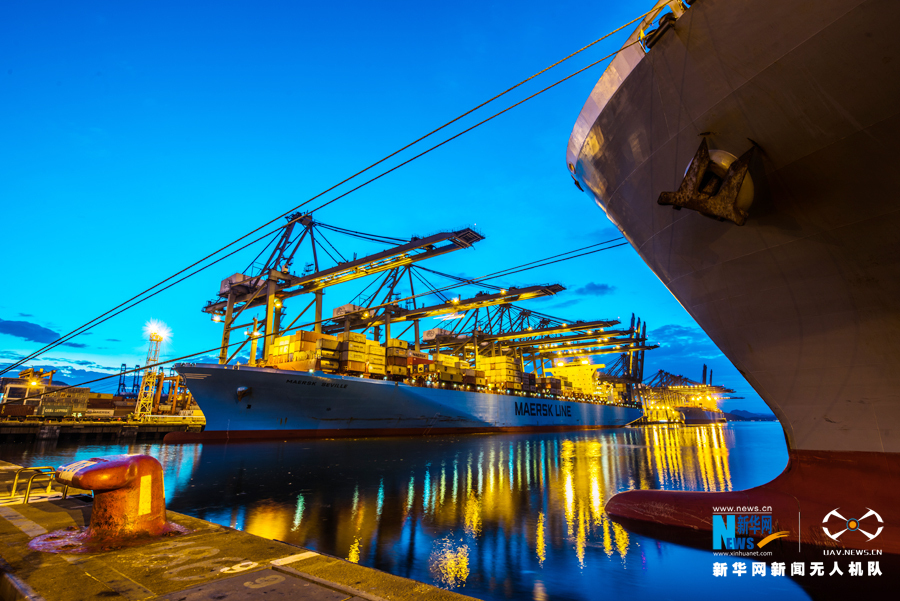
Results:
553 385
422 364
470 376
327 354
504 373
447 370
395 358
415 362
298 351
529 382
375 362
352 346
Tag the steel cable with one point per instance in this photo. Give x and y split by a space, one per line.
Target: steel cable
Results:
96 321
517 269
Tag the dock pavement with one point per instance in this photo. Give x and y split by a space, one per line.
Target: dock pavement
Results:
208 562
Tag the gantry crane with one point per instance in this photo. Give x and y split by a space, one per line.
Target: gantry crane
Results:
273 283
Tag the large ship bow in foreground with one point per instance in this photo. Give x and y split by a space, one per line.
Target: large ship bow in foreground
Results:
749 156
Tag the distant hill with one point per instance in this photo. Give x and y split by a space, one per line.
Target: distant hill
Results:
739 415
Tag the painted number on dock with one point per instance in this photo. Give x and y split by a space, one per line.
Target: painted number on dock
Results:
186 562
265 581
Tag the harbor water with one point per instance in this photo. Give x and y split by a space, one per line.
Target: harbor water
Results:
509 516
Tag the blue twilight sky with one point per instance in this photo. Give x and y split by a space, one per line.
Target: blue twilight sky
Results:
139 136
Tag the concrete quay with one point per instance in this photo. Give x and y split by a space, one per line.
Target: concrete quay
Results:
208 562
18 430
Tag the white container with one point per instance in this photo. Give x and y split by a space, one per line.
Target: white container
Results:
345 309
434 333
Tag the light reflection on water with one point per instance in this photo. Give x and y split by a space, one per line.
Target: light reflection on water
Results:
500 516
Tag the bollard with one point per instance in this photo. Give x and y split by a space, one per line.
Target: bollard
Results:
129 504
129 497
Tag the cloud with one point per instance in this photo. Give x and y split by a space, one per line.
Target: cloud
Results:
592 289
25 315
27 331
682 350
113 340
606 233
66 374
563 304
64 363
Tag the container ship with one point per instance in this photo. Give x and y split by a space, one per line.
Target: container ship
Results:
670 398
498 368
746 150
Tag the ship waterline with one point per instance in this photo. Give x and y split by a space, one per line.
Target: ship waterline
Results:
802 297
254 403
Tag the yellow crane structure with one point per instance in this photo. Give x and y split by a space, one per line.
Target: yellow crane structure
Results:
152 381
272 284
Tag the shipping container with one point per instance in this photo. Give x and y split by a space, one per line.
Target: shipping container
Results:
89 413
345 309
327 343
353 366
353 356
54 410
352 337
349 345
16 410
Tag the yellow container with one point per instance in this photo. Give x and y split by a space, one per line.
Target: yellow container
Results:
325 343
356 347
353 356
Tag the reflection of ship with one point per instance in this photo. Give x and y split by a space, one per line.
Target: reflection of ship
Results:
795 277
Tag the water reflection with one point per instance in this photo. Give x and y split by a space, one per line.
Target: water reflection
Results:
491 516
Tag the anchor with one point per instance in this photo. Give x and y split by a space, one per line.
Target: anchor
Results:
711 190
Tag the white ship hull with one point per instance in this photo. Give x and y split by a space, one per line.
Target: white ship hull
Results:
255 403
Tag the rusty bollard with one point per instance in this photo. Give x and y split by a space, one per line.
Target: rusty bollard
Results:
129 504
